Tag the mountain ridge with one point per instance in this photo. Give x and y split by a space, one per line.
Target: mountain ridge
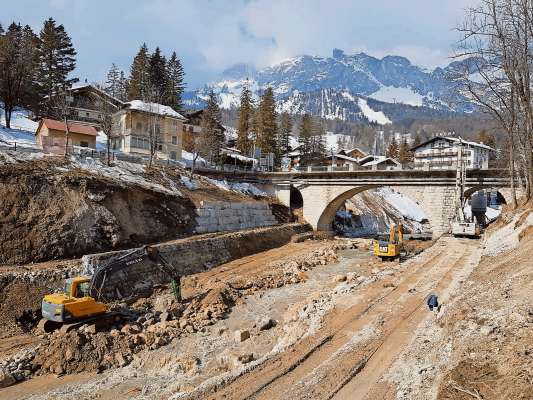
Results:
339 87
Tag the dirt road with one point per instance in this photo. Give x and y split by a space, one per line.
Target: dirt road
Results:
355 347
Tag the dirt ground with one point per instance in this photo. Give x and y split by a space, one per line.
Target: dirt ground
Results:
326 320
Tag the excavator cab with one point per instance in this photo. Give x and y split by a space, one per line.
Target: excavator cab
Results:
75 303
393 247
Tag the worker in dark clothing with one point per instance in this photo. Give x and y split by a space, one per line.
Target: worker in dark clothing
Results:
433 302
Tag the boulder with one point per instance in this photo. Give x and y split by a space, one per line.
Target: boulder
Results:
266 323
241 335
6 379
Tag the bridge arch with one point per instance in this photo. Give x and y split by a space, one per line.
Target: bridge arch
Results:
325 221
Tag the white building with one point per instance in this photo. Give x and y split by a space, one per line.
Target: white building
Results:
380 163
442 153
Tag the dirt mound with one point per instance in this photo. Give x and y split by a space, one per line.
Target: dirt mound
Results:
77 351
49 212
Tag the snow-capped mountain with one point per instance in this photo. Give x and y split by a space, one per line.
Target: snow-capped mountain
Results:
354 87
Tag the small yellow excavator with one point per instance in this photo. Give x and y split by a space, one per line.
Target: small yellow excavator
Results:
394 247
80 303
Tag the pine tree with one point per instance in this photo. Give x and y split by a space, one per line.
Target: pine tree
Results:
268 131
392 150
244 128
417 140
404 153
285 133
123 87
112 86
318 142
57 58
158 74
212 138
139 75
175 83
18 67
305 135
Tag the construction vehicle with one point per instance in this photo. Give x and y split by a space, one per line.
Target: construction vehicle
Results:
461 225
83 299
393 248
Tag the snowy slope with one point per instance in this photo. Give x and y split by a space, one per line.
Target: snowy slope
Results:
22 130
373 116
373 211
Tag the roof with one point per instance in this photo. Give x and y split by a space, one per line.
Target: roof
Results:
355 149
342 157
375 160
454 140
72 127
153 108
89 86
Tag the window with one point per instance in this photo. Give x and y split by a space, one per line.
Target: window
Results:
174 140
160 147
184 128
82 290
190 129
84 144
139 127
140 143
173 155
157 129
87 114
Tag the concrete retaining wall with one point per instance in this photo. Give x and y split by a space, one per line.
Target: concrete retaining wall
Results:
189 256
218 216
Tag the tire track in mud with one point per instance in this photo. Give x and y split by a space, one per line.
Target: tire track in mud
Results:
265 381
397 337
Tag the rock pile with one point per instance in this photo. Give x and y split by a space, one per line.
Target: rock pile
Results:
17 368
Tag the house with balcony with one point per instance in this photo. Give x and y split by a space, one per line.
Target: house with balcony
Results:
83 101
138 125
442 153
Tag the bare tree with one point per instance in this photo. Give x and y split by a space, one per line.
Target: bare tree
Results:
106 109
60 109
496 49
152 99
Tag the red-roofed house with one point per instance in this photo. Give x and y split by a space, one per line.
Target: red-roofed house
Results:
52 138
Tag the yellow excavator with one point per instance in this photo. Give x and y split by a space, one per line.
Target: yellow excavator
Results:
393 247
81 300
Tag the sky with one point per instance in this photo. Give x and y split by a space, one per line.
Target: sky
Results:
211 35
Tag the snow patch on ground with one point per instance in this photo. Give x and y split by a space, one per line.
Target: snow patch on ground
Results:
373 116
239 187
123 171
407 207
391 94
22 131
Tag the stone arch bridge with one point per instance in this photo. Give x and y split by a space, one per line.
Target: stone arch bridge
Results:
323 193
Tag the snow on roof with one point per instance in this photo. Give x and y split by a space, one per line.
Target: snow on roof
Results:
455 140
376 160
72 127
154 108
355 149
241 157
343 157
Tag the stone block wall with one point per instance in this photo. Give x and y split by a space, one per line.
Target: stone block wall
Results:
188 256
219 216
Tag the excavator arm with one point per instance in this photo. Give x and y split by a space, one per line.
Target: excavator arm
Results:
126 261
